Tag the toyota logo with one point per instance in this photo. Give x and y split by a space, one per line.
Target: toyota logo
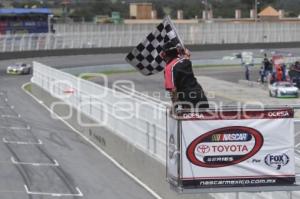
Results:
203 148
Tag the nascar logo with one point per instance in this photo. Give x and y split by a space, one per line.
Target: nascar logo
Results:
231 137
224 147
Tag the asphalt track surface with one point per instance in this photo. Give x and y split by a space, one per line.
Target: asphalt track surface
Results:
42 158
154 85
94 60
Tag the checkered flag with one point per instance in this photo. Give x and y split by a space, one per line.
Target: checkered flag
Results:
146 56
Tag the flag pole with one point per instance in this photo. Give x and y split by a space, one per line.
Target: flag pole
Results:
175 30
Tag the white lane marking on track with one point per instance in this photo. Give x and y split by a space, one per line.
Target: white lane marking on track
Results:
15 127
11 116
78 194
11 191
22 142
4 107
296 146
297 160
118 165
54 164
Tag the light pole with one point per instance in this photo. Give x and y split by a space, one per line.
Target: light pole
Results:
206 9
205 3
50 25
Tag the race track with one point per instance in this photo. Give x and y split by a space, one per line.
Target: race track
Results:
42 158
105 59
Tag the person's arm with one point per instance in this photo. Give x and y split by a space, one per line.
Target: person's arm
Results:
187 54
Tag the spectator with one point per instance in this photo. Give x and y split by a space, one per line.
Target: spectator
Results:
247 72
262 74
283 69
279 74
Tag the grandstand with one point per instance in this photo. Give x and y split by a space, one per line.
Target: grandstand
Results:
25 20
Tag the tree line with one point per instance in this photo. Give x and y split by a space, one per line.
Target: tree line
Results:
87 9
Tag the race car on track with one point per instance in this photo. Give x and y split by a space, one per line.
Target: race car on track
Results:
283 89
19 69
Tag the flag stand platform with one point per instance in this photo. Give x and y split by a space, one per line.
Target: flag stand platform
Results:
232 150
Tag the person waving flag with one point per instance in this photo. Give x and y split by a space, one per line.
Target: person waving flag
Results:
145 57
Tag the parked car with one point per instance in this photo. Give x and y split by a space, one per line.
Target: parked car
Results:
283 89
19 69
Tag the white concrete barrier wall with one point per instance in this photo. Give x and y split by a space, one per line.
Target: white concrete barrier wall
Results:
201 33
140 122
79 35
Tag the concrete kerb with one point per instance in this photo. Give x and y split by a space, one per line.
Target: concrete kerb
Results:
145 168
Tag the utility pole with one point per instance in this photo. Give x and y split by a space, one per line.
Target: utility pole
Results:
256 10
206 9
205 3
65 6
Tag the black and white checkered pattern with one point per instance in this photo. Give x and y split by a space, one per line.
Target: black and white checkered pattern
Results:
146 56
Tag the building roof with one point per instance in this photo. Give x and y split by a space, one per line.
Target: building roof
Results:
269 12
141 3
16 11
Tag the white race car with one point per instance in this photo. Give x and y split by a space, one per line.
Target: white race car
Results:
19 69
283 89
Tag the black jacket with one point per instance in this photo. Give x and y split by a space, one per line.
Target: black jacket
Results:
187 87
